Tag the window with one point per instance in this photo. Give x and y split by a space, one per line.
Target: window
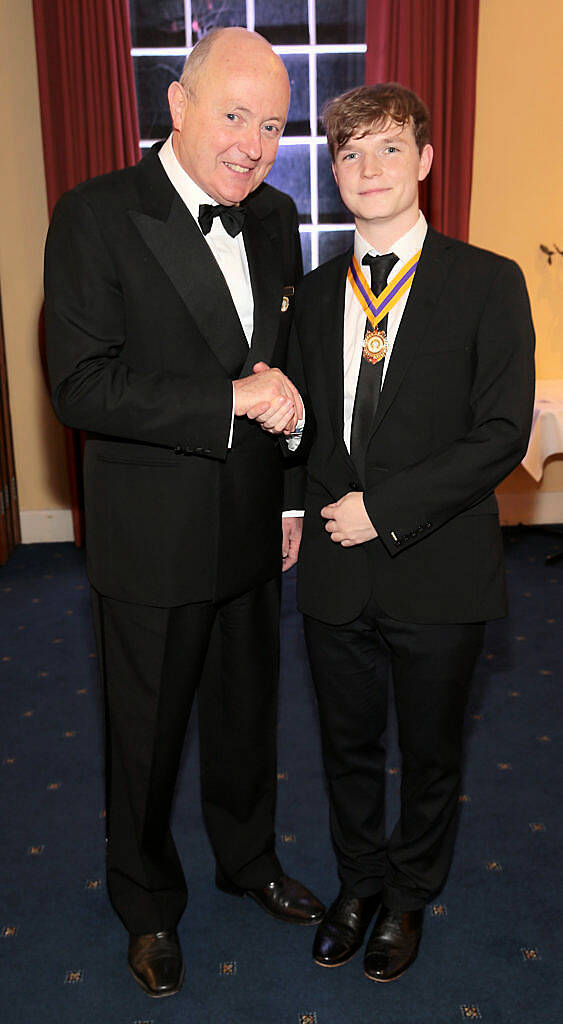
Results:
321 43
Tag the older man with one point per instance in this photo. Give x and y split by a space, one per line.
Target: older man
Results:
166 302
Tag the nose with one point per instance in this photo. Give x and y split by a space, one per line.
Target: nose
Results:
372 166
251 142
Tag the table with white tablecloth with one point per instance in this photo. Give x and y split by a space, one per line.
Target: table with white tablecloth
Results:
546 438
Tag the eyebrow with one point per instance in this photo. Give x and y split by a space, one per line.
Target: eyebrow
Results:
246 110
352 143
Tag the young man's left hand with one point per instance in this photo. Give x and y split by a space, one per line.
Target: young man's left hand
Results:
347 520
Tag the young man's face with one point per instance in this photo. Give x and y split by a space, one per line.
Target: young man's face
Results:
378 175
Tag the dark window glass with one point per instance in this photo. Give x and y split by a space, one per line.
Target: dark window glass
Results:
305 237
331 207
290 173
153 76
332 243
157 22
341 21
208 14
282 22
336 73
298 122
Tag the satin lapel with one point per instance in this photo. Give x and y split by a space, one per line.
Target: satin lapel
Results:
264 265
427 286
183 253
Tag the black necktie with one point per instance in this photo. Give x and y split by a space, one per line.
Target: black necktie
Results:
232 217
369 380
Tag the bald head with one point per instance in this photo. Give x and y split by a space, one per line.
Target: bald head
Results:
228 112
226 43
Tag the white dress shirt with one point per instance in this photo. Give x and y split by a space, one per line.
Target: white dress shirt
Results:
355 318
231 258
229 252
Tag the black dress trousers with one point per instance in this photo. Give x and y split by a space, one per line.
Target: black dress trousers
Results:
153 660
431 667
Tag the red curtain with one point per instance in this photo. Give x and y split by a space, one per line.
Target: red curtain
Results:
431 47
88 117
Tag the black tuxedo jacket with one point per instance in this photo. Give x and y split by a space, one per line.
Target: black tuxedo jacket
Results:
452 421
143 343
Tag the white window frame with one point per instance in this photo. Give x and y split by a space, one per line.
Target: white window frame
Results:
312 49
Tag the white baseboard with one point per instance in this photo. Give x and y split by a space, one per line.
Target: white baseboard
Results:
46 525
531 509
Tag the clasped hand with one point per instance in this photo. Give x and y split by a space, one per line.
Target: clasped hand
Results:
270 398
347 520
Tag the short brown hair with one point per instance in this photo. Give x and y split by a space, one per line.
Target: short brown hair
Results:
369 107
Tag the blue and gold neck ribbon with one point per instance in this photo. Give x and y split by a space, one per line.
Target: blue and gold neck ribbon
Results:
377 306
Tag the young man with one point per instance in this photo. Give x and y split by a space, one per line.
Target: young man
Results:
418 360
164 299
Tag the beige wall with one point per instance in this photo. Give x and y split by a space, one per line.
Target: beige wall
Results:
38 440
517 198
517 203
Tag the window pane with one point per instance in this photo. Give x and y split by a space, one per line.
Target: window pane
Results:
153 76
290 173
282 22
332 243
336 73
208 14
298 122
341 21
305 237
157 22
331 207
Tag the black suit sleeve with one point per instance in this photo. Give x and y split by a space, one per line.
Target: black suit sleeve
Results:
94 386
410 504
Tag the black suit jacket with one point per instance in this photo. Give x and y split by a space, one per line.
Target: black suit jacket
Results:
453 420
143 343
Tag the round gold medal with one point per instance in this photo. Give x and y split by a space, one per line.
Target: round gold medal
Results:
375 346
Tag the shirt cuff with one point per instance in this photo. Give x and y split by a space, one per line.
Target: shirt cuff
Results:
294 439
294 514
230 441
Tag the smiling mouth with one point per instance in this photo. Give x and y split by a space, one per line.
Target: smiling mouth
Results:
238 168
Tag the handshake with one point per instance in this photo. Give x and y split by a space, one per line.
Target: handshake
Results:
269 397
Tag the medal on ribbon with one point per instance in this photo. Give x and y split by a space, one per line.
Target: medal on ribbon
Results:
376 307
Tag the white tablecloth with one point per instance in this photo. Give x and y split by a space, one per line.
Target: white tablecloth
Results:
547 427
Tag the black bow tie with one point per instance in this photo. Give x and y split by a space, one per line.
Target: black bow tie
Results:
232 218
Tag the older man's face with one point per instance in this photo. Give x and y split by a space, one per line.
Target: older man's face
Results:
227 135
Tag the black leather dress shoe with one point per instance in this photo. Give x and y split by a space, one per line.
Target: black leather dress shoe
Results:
393 943
155 961
342 932
284 899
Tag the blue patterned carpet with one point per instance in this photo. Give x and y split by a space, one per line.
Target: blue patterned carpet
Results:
489 950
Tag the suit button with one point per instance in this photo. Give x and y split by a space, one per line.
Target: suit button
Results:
354 485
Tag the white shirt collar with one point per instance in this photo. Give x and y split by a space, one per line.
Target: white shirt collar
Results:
192 195
404 247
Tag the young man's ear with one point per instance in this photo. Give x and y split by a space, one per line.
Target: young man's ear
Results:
426 158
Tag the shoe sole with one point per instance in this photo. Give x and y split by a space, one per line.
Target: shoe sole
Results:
340 963
279 917
231 890
149 991
383 981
